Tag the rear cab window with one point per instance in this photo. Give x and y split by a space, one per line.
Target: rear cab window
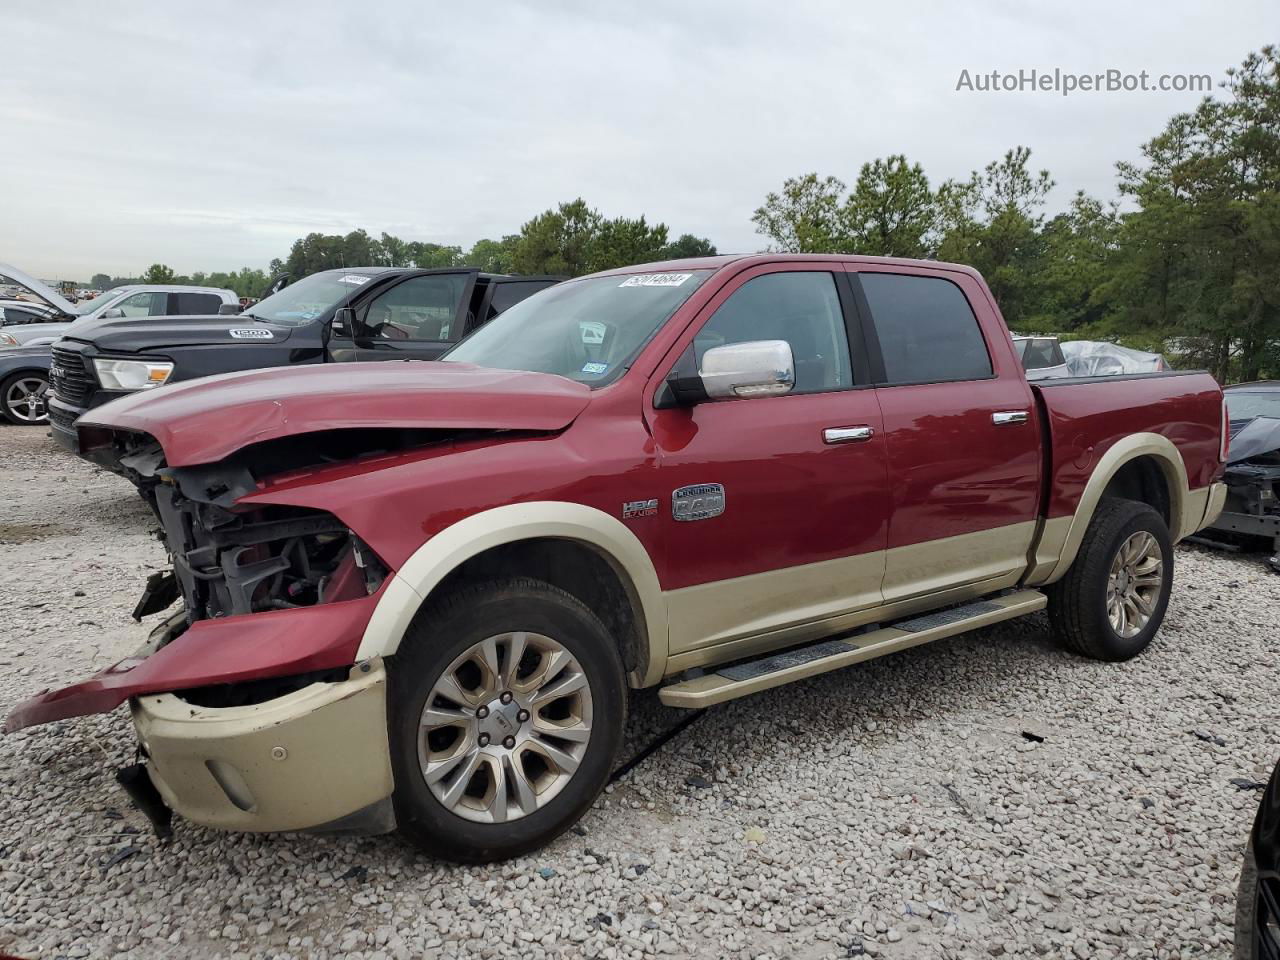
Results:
194 304
928 333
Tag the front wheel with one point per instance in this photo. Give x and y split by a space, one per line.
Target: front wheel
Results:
508 700
22 398
1113 599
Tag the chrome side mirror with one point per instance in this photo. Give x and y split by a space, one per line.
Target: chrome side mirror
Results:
757 368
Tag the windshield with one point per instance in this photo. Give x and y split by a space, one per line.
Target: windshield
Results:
1247 404
587 330
300 303
86 307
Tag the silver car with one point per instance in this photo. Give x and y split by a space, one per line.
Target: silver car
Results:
136 300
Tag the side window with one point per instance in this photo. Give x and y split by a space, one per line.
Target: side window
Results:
195 304
421 308
926 328
144 305
506 295
802 308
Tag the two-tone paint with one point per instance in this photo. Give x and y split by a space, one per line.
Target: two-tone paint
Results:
959 490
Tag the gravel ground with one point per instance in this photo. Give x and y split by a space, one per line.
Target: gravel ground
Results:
893 809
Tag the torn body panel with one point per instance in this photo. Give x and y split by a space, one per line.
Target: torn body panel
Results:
227 650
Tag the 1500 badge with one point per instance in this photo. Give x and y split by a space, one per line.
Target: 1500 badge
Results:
699 501
250 333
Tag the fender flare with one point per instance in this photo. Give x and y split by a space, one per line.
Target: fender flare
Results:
1121 452
413 583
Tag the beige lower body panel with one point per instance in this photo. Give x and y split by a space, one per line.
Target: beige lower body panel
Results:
731 619
304 760
936 565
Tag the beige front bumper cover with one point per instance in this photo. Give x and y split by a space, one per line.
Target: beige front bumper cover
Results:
309 759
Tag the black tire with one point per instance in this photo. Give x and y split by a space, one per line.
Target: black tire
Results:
1078 602
12 415
445 631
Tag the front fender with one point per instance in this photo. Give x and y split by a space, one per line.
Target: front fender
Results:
418 576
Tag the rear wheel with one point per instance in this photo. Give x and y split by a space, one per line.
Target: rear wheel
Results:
508 700
22 397
1113 599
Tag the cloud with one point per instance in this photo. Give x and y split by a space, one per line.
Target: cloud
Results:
209 137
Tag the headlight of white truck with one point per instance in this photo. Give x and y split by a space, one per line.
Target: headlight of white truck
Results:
132 374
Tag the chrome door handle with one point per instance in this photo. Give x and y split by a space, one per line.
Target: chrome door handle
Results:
1007 417
847 434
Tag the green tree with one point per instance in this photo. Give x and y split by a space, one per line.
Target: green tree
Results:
428 256
993 222
890 212
1079 262
494 256
687 245
100 281
1201 252
805 217
574 239
158 273
622 242
557 241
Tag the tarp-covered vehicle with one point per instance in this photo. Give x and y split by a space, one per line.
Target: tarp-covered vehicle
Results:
1253 464
1097 358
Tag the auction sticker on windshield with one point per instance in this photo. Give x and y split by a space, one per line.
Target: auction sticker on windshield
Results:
656 280
353 278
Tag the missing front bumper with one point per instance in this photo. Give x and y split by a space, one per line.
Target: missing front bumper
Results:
310 760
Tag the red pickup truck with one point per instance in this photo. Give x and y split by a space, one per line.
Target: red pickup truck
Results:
414 595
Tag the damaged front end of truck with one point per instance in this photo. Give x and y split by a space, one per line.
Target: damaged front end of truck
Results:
252 707
250 687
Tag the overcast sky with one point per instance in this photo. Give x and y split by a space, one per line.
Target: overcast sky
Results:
210 137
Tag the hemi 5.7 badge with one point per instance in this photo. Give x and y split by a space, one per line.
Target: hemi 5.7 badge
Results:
639 508
700 501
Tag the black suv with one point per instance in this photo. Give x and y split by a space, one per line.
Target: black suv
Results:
358 313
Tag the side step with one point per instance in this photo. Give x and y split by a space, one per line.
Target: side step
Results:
739 680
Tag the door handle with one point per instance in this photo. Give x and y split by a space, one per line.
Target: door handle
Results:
847 434
1007 417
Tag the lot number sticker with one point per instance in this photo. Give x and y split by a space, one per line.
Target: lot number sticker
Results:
353 278
656 280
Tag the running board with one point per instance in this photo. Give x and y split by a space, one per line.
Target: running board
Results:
741 679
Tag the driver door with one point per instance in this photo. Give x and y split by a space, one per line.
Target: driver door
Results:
796 539
419 318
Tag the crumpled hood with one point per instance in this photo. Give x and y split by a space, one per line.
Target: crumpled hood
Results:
124 334
205 420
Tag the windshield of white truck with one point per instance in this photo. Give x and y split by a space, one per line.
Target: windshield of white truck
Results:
587 330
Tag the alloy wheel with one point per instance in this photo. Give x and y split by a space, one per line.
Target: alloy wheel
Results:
1134 584
24 400
505 727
